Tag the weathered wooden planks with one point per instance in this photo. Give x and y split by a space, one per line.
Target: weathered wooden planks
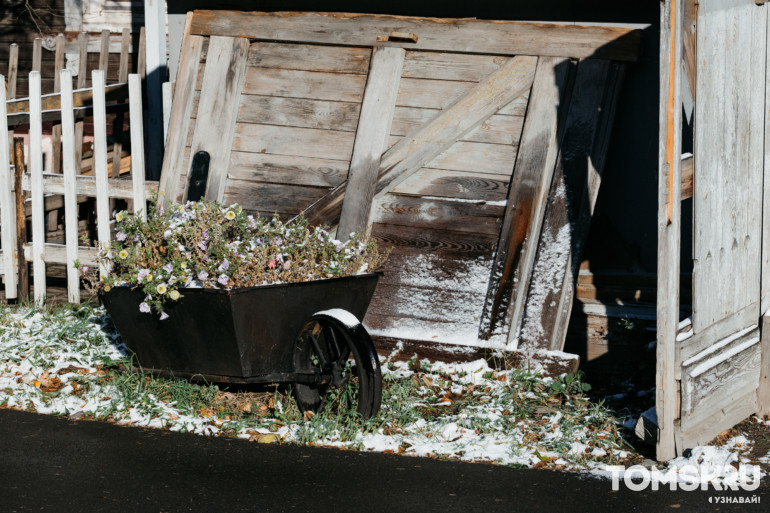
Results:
8 206
374 125
534 169
463 35
215 125
571 201
180 119
455 184
669 225
415 151
728 161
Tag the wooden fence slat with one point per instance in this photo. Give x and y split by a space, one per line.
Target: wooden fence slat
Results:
70 188
137 144
56 139
117 147
141 58
179 124
7 205
36 171
533 171
168 88
100 165
104 52
215 124
82 76
371 138
13 70
411 153
81 98
37 54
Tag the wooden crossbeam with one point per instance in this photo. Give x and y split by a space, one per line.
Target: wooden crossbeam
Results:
374 126
414 151
431 34
80 98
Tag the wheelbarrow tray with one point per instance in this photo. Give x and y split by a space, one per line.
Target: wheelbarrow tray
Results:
236 335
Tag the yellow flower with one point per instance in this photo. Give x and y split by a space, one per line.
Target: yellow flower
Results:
174 294
119 216
149 277
123 254
230 215
107 288
183 265
161 288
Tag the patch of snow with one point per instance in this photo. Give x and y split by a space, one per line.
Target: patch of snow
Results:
345 317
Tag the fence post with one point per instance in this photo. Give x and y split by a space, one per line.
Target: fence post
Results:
100 165
36 186
21 218
7 205
137 143
70 187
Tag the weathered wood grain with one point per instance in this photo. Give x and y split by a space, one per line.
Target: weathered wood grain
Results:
730 363
455 184
498 129
173 165
341 87
374 126
476 157
86 185
727 201
21 225
765 287
291 141
58 65
669 225
570 205
304 57
8 206
448 243
469 216
431 94
215 125
299 112
264 167
450 66
117 147
535 163
272 198
460 35
413 152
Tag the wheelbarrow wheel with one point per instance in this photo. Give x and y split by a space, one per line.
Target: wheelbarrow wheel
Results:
324 345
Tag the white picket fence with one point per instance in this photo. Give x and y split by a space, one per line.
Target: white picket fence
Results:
69 184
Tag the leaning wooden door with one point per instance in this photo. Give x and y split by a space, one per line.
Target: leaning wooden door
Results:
718 362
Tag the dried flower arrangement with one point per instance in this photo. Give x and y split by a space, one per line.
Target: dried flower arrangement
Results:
204 244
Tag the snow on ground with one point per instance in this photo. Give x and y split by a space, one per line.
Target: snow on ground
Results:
62 362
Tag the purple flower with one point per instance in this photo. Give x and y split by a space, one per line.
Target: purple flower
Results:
144 307
163 316
277 241
120 236
279 257
224 267
202 245
223 279
142 274
260 242
168 267
202 275
205 235
85 269
287 266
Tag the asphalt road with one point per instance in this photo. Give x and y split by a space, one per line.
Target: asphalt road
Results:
54 464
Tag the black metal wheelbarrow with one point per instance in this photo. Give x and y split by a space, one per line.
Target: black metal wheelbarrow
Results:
301 333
